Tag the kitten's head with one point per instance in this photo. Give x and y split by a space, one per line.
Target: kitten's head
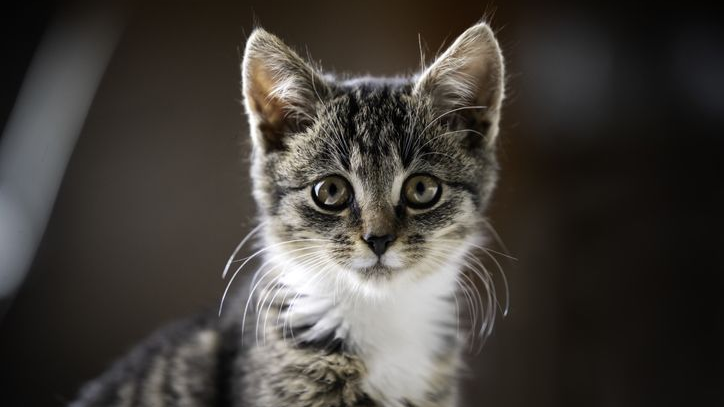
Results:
372 180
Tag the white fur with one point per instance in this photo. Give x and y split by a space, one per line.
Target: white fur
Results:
396 325
398 336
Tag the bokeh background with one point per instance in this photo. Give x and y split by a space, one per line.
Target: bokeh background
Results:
611 195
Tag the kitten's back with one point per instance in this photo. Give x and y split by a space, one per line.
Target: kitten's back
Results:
181 364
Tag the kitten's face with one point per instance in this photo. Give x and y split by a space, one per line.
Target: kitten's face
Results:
377 183
373 179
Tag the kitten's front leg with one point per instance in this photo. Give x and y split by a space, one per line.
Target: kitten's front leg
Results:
282 375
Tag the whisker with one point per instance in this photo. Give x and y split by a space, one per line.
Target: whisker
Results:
436 153
233 276
267 290
289 318
468 288
239 246
450 112
255 285
477 247
315 260
497 238
470 295
489 252
448 133
505 282
260 304
281 255
316 257
484 323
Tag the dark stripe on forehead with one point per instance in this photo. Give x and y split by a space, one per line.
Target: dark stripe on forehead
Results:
379 122
335 135
352 111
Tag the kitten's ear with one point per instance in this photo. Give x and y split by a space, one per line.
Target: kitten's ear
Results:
468 76
281 90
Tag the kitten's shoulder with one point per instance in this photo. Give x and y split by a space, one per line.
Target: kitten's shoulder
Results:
182 363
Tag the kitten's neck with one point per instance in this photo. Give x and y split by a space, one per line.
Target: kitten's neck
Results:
406 335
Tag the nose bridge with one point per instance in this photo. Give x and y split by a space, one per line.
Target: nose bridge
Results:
379 227
377 211
378 218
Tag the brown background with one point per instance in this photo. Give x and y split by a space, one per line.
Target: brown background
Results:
610 198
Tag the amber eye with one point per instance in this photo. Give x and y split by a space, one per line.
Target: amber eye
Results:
332 193
421 191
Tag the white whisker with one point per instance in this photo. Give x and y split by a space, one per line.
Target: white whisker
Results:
257 281
239 246
450 112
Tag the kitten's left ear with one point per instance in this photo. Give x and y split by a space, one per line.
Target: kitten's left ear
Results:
469 77
281 90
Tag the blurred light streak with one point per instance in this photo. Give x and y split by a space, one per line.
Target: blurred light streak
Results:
43 128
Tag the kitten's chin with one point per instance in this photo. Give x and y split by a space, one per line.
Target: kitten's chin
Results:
376 271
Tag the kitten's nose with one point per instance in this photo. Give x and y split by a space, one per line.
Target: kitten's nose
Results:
378 244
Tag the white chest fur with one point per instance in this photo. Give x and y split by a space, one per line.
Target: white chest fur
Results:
400 337
397 333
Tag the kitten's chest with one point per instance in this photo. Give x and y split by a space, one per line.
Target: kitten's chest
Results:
404 379
406 344
278 375
410 355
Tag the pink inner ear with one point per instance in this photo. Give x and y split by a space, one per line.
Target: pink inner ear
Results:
259 89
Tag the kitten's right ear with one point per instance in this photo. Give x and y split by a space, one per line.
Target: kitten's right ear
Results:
280 89
469 80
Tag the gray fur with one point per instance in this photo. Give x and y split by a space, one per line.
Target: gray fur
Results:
306 125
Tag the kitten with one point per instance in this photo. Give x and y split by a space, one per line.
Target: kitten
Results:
371 193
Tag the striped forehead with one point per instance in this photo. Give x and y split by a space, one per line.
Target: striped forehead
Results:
375 122
365 134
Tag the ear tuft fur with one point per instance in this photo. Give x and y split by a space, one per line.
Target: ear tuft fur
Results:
280 89
469 76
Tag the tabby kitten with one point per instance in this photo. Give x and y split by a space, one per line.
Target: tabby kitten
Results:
371 193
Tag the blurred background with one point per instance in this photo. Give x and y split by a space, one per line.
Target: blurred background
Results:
610 198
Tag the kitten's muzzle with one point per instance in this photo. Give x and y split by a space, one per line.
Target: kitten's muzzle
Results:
379 244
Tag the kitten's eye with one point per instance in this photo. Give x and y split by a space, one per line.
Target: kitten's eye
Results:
421 191
332 193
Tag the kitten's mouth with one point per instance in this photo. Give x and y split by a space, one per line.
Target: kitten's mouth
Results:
376 270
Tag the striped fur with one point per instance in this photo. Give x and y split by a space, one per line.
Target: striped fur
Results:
329 322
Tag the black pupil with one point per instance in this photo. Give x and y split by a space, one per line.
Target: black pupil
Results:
332 190
420 187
